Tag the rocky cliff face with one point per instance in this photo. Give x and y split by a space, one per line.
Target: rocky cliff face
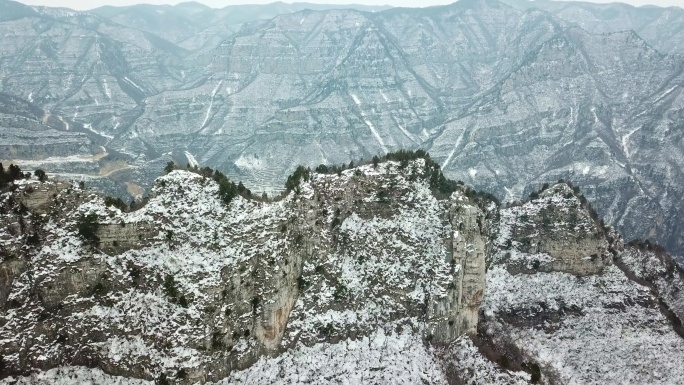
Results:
329 263
558 229
363 276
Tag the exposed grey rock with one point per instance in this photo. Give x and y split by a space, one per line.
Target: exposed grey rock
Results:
78 279
9 270
39 197
469 248
557 226
120 237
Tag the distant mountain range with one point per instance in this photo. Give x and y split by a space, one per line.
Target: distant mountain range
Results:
660 27
194 26
505 95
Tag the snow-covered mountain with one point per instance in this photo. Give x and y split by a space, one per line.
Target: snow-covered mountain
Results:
661 27
196 26
506 97
375 274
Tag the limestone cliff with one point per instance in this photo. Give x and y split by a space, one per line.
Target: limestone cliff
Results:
559 230
367 275
194 289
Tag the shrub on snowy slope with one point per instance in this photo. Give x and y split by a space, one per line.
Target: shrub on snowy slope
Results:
13 173
87 225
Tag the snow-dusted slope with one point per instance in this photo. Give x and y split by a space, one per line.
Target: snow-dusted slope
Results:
191 287
358 277
578 326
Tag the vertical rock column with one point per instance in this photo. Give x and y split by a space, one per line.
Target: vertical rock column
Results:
457 313
469 253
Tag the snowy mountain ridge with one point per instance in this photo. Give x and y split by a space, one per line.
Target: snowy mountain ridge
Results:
369 275
505 95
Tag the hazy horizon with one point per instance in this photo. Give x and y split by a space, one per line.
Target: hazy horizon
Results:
90 4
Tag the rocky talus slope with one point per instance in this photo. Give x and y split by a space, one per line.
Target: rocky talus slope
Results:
366 276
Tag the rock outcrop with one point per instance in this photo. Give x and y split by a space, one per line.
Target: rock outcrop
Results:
362 275
39 198
195 289
558 307
558 228
469 248
115 238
